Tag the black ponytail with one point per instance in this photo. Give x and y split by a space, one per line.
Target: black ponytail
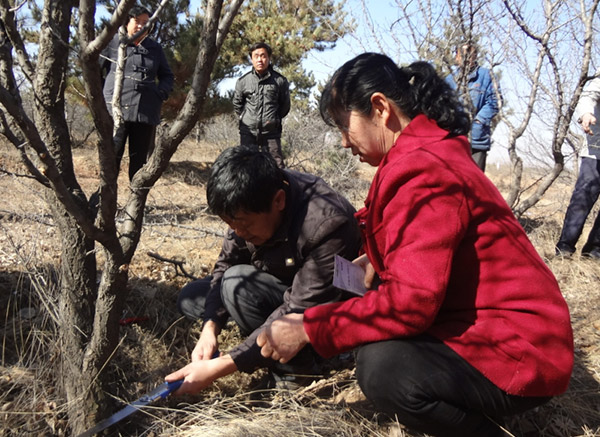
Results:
416 89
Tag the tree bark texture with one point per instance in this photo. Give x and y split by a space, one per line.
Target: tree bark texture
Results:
90 302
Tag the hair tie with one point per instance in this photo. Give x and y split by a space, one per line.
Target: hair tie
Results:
411 81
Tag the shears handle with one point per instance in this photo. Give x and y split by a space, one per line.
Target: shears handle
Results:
170 387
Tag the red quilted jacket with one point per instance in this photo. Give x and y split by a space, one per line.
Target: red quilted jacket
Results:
455 263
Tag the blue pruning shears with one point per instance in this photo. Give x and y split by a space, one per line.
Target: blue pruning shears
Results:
160 392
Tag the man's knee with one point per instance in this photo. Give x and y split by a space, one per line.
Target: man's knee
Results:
233 281
192 298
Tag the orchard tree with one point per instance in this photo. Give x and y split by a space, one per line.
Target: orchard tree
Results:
542 51
43 48
556 65
88 312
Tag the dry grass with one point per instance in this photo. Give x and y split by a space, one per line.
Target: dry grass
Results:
177 227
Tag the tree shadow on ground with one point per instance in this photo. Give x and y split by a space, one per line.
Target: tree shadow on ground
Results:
189 172
531 224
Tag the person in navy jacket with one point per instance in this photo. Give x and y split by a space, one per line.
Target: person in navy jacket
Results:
482 100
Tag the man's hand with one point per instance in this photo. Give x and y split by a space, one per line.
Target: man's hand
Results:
587 120
283 338
207 344
366 265
200 374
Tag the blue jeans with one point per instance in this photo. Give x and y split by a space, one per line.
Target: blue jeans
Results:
430 388
585 194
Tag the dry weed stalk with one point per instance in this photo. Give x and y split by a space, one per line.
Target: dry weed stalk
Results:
287 415
29 401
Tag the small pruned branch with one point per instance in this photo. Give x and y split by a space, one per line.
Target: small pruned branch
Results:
178 264
17 175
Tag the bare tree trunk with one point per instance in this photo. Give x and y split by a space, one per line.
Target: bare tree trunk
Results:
89 312
76 309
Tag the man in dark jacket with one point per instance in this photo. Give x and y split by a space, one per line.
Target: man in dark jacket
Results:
277 258
261 101
147 82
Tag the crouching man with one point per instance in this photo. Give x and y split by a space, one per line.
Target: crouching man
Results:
277 258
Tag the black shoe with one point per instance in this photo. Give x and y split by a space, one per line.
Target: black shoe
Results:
273 383
293 381
592 254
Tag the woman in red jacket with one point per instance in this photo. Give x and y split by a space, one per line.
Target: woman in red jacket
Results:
463 322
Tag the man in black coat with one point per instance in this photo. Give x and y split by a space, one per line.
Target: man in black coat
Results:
147 82
261 101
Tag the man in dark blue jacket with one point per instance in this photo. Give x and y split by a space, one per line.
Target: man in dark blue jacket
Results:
147 82
482 99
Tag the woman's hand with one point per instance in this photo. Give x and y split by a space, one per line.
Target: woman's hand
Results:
208 344
283 338
366 265
200 374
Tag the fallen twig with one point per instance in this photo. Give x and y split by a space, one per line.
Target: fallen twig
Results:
178 264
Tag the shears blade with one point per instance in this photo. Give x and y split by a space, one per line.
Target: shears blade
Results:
159 392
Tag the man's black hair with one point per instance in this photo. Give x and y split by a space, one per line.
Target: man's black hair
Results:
243 179
138 10
260 45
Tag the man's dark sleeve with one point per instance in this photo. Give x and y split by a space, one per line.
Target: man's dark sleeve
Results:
238 97
284 98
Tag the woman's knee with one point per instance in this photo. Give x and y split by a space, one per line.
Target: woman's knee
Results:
380 378
391 375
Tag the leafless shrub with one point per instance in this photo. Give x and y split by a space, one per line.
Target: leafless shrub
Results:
309 145
77 114
219 132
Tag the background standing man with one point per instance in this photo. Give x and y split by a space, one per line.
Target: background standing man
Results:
261 101
587 187
277 258
148 81
482 101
